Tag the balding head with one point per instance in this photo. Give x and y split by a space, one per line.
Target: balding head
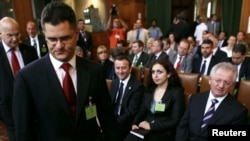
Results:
10 32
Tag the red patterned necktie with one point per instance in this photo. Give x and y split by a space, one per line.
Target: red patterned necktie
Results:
69 89
14 61
178 64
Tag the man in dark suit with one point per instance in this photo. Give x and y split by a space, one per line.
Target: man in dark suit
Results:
85 40
156 53
221 55
242 63
10 39
181 60
128 105
214 107
36 40
207 57
61 96
222 39
138 57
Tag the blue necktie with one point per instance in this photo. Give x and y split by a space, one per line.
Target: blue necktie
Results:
137 34
203 68
209 113
118 99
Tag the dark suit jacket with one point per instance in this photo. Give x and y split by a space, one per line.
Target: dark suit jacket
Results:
244 72
162 124
224 43
39 104
151 58
7 80
142 59
107 67
42 44
197 62
221 55
87 44
131 102
230 111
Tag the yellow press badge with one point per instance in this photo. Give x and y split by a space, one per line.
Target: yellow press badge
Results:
90 112
160 107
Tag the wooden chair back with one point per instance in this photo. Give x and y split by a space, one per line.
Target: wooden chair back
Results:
145 76
108 81
190 83
137 73
244 94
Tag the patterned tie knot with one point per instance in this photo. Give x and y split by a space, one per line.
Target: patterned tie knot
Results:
214 101
180 57
66 67
12 49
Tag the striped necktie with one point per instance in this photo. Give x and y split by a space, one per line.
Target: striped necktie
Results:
209 113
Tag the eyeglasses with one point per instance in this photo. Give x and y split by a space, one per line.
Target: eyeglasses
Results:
102 52
64 40
219 81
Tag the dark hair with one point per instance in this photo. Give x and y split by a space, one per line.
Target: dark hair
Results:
153 20
208 41
80 20
239 48
167 40
173 80
139 42
226 34
58 12
123 42
114 52
123 57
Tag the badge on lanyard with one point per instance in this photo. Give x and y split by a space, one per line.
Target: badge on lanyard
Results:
90 110
160 107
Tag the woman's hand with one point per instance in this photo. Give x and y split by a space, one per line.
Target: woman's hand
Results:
135 127
145 125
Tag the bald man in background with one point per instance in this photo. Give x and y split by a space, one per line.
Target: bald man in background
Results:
10 40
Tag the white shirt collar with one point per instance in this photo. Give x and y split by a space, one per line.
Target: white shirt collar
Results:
7 48
57 64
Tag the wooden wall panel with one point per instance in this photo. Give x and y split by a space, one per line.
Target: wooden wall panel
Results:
245 13
99 38
129 10
23 13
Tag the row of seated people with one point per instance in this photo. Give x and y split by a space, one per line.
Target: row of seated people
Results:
154 99
200 63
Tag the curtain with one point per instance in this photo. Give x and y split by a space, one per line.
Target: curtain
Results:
231 14
161 11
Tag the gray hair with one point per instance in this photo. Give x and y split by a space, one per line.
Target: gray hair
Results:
225 66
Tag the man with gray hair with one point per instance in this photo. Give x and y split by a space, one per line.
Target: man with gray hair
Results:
214 107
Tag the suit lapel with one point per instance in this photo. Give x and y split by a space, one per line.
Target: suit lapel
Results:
128 89
113 89
5 61
55 86
83 82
